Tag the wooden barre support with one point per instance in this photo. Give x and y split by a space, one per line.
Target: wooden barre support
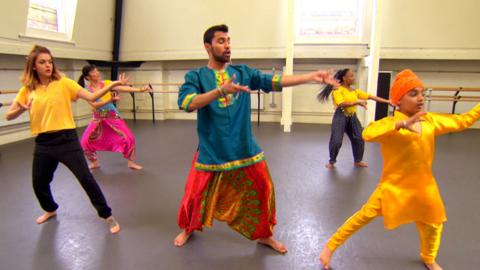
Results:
148 92
453 98
168 92
463 98
449 88
442 99
162 91
151 93
8 91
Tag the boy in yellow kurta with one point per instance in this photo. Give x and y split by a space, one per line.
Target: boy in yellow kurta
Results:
407 191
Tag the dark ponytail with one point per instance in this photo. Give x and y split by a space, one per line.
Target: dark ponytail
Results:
85 71
327 90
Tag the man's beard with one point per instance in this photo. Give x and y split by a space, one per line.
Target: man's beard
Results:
222 58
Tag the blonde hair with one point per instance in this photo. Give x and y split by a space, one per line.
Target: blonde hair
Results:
29 77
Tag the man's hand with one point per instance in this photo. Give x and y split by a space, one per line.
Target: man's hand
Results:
230 87
323 76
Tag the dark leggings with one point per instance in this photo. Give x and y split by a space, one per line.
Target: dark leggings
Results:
346 124
63 146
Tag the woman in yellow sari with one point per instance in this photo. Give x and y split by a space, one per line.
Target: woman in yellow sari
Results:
407 191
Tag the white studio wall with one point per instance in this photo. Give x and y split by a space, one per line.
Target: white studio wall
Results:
431 29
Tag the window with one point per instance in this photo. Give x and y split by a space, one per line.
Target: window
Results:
327 21
51 19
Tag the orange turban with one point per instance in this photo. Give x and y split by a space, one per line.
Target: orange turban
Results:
405 81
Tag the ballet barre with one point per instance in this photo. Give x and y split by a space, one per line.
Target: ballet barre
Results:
5 104
152 96
153 92
8 92
456 96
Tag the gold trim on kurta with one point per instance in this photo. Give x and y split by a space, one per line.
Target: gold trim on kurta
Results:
187 100
230 165
276 83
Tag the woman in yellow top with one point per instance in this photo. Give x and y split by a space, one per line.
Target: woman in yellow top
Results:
345 120
47 96
407 191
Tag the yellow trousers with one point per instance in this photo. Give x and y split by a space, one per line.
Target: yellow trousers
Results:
430 234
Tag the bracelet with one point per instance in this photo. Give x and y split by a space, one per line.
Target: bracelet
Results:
220 91
223 91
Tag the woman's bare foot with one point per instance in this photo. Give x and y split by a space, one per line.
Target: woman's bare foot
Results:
46 216
134 166
182 238
94 165
330 165
432 266
325 257
360 164
113 225
276 245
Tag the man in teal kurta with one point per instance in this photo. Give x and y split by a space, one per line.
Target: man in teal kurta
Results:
224 129
229 179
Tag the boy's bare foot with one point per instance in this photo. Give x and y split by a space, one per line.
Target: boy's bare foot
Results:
432 266
276 245
46 216
182 238
113 225
325 257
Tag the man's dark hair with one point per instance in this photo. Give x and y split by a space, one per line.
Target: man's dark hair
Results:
208 35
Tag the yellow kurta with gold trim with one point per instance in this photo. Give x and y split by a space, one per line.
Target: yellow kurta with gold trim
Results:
407 189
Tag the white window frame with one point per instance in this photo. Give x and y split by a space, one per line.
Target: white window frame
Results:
357 38
66 10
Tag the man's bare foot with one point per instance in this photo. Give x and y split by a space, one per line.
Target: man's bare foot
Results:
113 225
276 245
182 238
94 165
325 257
46 216
432 266
330 165
360 164
134 166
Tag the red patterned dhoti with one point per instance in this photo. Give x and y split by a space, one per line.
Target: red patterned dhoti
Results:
244 198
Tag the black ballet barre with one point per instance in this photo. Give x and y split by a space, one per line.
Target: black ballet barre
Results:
162 84
5 104
455 98
152 97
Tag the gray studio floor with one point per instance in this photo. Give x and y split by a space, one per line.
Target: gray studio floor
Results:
311 203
